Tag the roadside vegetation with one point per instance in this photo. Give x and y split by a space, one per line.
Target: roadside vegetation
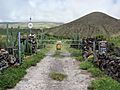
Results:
2 41
101 81
115 40
11 76
75 53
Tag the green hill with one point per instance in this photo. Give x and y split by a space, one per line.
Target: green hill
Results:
88 26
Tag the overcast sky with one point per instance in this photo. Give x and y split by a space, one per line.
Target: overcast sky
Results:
55 10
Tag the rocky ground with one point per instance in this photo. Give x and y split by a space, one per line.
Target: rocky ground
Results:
37 78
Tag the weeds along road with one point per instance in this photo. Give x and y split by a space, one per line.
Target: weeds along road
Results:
38 77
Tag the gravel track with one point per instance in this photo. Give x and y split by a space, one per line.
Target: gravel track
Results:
37 78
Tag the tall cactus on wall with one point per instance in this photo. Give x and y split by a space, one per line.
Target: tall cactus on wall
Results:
7 33
22 50
27 47
10 37
41 38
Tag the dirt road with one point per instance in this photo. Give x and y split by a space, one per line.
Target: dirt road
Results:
37 78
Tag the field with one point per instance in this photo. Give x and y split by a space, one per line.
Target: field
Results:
24 25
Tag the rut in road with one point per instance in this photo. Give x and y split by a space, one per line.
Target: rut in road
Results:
37 78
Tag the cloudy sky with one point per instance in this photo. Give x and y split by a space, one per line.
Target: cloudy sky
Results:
55 10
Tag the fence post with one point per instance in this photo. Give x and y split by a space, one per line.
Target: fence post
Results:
94 51
7 36
19 48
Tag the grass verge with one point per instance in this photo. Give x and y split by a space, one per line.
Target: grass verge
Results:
102 81
11 76
86 65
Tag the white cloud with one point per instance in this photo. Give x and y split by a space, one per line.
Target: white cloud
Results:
55 10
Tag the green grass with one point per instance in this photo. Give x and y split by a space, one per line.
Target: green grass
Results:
11 76
96 72
104 83
115 40
79 58
57 76
86 65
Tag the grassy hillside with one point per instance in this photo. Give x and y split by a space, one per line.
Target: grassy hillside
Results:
89 26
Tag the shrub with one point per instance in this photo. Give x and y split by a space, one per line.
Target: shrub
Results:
79 58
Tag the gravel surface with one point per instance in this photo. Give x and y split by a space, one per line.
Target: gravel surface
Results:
37 78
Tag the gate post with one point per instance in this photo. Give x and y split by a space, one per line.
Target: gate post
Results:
19 49
94 52
7 36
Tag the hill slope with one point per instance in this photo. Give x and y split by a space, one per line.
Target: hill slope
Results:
90 25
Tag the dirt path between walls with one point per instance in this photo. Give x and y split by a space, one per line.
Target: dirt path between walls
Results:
37 78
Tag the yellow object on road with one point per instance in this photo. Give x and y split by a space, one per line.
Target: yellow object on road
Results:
58 45
90 57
